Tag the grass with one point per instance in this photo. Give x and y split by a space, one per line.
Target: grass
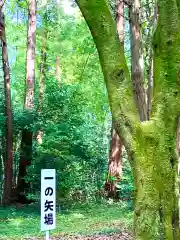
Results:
85 220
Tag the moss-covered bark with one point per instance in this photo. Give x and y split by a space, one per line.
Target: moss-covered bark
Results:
152 144
155 173
156 163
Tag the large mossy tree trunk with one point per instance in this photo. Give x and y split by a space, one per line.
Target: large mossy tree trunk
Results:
156 213
151 145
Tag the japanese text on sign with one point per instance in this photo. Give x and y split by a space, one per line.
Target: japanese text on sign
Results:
48 199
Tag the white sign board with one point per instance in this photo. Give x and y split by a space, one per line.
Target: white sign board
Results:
48 199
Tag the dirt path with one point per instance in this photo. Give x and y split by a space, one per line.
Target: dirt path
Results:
119 236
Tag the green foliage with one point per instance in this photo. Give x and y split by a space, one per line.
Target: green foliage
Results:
17 222
78 160
73 116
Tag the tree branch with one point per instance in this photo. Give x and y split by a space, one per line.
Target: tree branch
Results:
114 67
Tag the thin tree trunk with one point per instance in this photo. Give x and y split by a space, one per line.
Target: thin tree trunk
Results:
150 85
43 65
1 171
26 143
25 161
149 49
42 78
43 69
114 166
30 63
137 59
116 145
8 180
39 134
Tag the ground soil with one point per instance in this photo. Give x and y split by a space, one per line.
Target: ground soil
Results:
118 236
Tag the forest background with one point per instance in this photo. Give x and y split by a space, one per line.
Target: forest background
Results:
70 120
64 117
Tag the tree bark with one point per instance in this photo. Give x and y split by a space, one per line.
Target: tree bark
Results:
25 161
30 62
120 20
43 65
151 145
151 18
137 59
26 143
150 85
116 145
156 203
39 134
43 69
8 171
42 75
114 166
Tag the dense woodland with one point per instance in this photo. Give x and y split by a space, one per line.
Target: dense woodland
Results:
91 88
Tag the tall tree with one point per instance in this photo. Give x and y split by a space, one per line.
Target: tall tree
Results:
151 145
137 59
43 69
149 10
26 142
114 165
8 161
116 144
